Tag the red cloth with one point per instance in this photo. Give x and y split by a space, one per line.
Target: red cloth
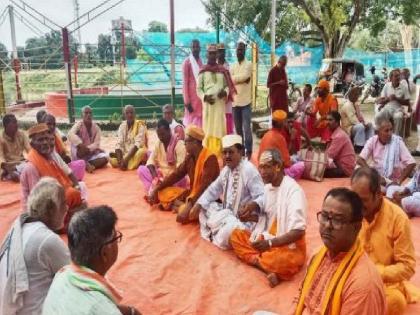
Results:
221 69
278 93
417 115
298 140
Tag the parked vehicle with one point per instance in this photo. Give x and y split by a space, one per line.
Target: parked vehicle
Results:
377 84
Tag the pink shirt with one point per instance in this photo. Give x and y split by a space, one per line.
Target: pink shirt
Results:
341 150
374 150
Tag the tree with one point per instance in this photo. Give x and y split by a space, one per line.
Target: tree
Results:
4 58
105 49
192 30
156 26
333 21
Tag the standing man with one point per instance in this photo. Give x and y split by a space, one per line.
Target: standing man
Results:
215 88
278 84
393 97
13 142
241 76
190 69
221 60
386 238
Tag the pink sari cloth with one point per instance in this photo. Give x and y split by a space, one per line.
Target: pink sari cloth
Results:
189 92
78 168
87 139
170 152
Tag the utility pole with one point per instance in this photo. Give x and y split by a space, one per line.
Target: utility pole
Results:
273 32
15 62
2 99
172 14
218 27
77 18
67 69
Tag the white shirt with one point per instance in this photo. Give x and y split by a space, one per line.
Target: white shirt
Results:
401 91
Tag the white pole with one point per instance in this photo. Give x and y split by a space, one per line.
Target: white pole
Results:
273 32
13 31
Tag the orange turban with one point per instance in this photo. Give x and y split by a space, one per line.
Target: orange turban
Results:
279 115
195 132
324 84
38 128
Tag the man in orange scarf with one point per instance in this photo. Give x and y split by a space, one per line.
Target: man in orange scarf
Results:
43 162
202 168
323 104
341 279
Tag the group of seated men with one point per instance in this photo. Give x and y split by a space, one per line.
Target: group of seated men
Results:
262 216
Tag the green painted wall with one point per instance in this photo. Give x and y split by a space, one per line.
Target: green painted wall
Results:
106 106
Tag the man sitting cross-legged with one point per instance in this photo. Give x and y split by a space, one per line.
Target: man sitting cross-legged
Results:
131 148
202 168
341 279
167 155
85 139
242 191
277 244
13 142
386 238
44 161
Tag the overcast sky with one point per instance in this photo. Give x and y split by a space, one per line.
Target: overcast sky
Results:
188 13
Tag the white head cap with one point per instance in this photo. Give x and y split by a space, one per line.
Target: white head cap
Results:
230 140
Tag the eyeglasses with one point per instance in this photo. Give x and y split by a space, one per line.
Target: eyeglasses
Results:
118 237
324 218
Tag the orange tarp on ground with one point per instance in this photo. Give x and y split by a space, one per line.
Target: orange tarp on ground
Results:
166 268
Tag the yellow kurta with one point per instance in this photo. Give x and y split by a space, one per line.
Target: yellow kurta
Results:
214 119
387 241
127 138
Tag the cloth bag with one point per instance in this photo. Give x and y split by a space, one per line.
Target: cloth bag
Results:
316 161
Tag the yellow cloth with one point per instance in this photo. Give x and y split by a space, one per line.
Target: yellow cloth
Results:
332 297
214 119
387 241
159 160
136 136
240 73
11 150
134 162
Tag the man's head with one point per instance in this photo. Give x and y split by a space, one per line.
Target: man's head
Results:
340 219
354 94
50 121
366 182
93 239
307 90
395 77
168 113
41 139
291 118
282 61
333 120
278 119
163 131
221 53
10 125
40 115
405 73
385 128
232 150
87 115
129 113
211 54
270 165
47 203
323 88
240 51
195 48
193 140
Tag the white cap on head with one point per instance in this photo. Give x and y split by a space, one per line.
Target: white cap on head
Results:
230 140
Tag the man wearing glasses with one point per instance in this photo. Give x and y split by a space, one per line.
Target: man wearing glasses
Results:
386 238
340 278
81 288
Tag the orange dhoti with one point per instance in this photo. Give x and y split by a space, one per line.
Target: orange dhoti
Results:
283 261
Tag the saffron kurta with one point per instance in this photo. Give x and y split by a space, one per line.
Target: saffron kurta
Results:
387 241
214 119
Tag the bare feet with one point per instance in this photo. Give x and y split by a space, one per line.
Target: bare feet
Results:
273 280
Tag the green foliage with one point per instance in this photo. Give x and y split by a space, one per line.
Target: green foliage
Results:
4 58
156 26
115 118
105 49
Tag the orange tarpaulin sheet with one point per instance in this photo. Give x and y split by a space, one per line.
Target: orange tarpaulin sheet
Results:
166 268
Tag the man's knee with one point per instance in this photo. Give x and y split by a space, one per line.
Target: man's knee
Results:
398 115
396 302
